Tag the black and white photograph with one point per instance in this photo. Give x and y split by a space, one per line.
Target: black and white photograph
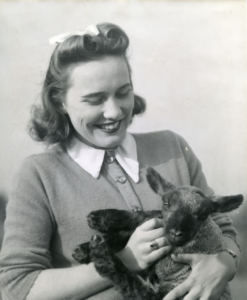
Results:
123 158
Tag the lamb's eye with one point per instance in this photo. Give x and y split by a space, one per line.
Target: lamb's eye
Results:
165 204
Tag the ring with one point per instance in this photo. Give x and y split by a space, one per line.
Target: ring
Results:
154 245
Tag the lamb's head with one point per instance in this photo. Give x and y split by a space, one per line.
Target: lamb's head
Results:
186 208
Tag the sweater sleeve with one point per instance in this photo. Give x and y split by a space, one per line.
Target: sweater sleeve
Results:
28 231
198 179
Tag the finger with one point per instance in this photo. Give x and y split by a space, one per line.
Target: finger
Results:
193 294
156 254
206 297
153 234
202 295
162 242
151 224
178 291
184 258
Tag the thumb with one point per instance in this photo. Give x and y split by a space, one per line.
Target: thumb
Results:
183 258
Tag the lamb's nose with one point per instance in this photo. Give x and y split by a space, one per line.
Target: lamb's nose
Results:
176 232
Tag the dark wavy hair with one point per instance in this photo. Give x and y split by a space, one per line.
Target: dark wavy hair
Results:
48 122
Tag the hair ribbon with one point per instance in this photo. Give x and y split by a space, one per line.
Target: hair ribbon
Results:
58 39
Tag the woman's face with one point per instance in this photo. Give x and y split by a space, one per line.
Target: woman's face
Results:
100 101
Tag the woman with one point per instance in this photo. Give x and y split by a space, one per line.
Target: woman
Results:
87 104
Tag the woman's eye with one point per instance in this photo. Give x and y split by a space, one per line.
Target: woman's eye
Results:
166 204
123 94
94 101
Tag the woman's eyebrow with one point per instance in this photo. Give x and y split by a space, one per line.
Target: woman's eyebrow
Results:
91 95
124 86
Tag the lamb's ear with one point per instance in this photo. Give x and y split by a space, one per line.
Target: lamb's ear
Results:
158 184
228 203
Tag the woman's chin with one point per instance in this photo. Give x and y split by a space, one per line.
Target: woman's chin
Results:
101 139
108 141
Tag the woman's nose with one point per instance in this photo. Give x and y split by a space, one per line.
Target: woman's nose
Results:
112 109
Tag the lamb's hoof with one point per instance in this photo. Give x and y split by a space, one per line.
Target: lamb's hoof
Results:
101 256
81 254
95 221
96 241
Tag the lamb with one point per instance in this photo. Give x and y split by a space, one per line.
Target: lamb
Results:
188 227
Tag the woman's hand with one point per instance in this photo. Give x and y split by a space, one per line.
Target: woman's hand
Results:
209 276
138 254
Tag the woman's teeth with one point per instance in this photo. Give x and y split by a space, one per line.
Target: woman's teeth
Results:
109 126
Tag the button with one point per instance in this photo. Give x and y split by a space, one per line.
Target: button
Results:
136 208
122 179
110 159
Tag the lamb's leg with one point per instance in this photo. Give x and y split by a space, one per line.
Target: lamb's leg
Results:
129 284
107 220
82 254
118 225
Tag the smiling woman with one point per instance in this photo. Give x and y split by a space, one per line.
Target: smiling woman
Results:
93 163
100 101
86 71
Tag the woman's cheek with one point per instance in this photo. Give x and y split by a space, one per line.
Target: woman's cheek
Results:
130 107
128 104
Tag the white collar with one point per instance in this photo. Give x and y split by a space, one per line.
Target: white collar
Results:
91 159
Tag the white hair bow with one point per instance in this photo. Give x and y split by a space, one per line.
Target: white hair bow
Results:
91 30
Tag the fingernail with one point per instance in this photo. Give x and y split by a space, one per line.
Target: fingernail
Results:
174 256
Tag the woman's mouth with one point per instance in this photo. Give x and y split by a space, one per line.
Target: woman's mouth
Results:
110 127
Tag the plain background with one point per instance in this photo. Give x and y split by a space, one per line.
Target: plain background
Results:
189 63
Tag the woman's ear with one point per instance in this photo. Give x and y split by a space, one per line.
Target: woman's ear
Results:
58 102
62 108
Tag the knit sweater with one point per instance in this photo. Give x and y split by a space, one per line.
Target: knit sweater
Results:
52 195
